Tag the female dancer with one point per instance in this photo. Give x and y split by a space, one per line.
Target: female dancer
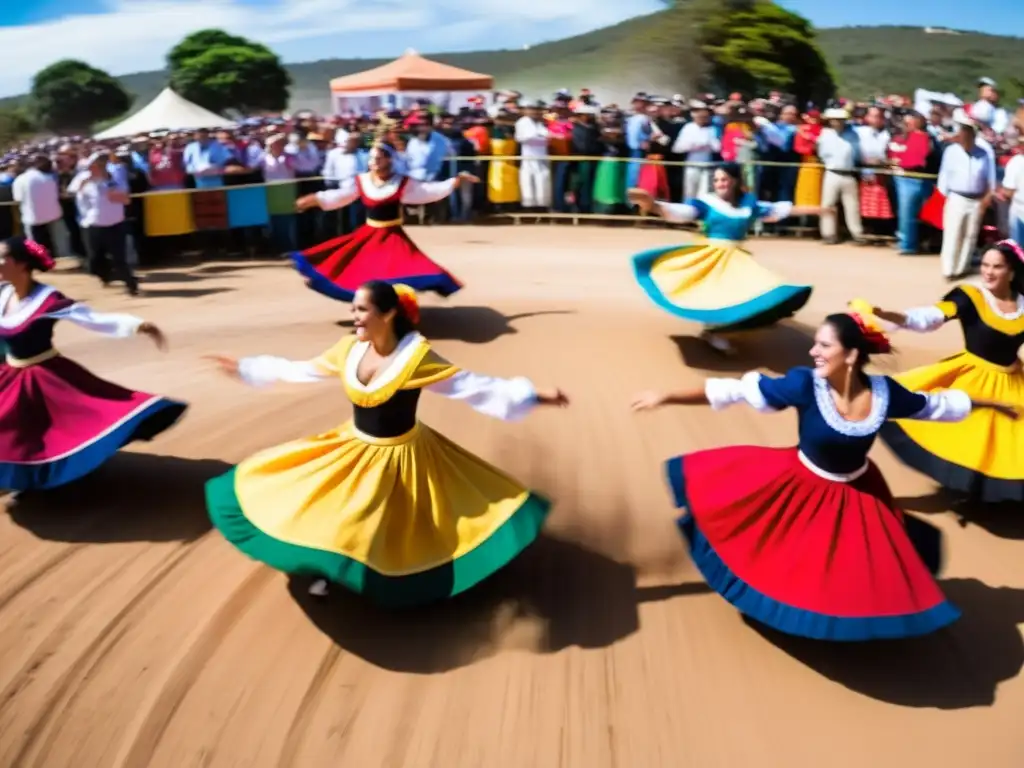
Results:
59 422
380 249
382 505
982 457
717 283
806 540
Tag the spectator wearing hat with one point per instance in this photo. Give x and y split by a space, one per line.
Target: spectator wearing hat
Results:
987 110
873 143
699 141
101 205
503 175
638 137
967 179
38 196
839 150
535 168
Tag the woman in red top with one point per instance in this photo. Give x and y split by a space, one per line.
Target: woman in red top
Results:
909 155
809 178
166 166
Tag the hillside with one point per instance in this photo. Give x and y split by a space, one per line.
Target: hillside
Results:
610 61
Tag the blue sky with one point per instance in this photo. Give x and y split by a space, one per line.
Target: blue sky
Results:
124 36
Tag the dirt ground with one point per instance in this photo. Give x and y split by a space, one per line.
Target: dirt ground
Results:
131 635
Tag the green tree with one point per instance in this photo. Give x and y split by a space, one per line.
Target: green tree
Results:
223 72
15 126
753 46
71 95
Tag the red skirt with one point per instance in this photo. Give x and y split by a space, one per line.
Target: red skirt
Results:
805 555
653 179
933 209
874 201
338 267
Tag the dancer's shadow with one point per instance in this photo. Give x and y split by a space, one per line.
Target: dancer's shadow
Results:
557 594
181 293
1002 520
156 278
956 668
777 348
133 497
473 325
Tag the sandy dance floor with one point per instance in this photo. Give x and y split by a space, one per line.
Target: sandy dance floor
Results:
133 636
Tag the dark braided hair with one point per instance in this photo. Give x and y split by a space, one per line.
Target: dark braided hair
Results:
384 297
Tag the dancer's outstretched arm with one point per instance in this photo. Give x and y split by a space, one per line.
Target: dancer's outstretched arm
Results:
920 319
680 213
331 199
113 324
722 393
418 192
264 370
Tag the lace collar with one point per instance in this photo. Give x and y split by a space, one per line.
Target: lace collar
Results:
834 419
993 304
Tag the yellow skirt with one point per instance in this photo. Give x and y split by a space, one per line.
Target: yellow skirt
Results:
503 175
982 456
404 520
717 284
809 181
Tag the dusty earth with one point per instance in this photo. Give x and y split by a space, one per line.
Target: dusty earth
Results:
132 635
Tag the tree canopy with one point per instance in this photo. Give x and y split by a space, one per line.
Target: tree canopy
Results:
72 95
15 125
224 72
753 46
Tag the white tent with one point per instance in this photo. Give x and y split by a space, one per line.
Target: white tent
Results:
169 112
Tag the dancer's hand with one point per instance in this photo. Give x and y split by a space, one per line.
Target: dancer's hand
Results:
306 203
648 401
228 365
469 178
1009 411
641 198
554 397
148 329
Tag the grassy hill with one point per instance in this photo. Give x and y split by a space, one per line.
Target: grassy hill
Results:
612 62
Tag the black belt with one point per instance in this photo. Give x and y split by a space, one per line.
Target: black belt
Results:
968 196
842 173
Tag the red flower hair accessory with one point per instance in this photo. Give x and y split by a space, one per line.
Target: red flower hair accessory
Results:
877 342
41 257
410 304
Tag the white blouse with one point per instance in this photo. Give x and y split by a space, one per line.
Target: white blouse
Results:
504 399
416 192
115 325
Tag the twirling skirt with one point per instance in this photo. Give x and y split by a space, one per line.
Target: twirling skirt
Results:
59 422
982 456
338 267
717 284
805 555
404 521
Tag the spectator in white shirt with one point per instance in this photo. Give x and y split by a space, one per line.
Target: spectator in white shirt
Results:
967 179
101 202
986 109
1013 191
37 192
534 168
699 141
839 150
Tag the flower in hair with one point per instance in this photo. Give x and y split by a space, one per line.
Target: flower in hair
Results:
877 342
40 255
410 303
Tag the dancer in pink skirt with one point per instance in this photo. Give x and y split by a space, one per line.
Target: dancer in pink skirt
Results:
58 422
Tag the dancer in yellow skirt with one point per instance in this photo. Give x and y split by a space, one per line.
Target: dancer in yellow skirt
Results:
716 282
982 457
382 505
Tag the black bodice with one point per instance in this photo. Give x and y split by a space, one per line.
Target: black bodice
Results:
32 340
981 339
389 419
386 211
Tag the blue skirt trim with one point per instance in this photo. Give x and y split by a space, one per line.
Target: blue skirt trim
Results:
788 298
786 618
144 425
440 283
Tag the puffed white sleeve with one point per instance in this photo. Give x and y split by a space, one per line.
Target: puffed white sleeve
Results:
113 324
924 319
264 370
505 399
346 194
949 405
778 211
418 192
679 213
721 393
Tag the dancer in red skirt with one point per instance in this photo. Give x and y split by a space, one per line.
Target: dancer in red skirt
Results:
807 540
58 422
380 249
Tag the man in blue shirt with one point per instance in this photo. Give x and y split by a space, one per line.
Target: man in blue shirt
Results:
205 160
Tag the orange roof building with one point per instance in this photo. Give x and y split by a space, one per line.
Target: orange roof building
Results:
409 76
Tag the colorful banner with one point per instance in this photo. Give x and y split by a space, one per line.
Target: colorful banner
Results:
247 207
281 198
167 214
210 209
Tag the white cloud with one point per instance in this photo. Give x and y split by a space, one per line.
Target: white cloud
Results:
135 35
